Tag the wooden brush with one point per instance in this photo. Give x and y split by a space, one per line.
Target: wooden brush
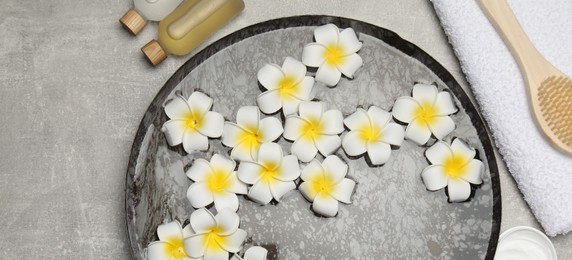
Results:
550 91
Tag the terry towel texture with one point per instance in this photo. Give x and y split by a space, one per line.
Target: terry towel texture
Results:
543 174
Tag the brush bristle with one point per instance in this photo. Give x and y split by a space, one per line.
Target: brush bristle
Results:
555 96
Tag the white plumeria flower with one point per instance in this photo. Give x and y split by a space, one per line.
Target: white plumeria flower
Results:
334 52
215 236
314 130
191 122
249 133
426 112
170 244
371 131
453 167
287 86
214 181
325 184
253 253
271 174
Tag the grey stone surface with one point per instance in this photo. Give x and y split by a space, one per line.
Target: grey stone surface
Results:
73 89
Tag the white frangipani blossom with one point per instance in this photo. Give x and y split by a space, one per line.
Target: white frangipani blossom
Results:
170 244
452 166
191 122
334 53
371 132
214 181
286 86
271 174
426 112
253 253
249 132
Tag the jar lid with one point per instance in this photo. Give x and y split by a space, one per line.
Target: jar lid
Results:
133 22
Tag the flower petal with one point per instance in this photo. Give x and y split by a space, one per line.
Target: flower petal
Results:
349 41
195 141
343 190
438 153
332 122
335 168
293 127
312 170
188 231
199 195
248 118
233 242
303 149
305 88
393 134
473 172
235 185
307 191
425 93
459 190
174 131
202 220
434 177
177 108
325 205
270 76
279 188
216 254
226 165
227 222
256 253
294 68
269 102
328 144
260 193
350 65
200 103
313 54
328 74
290 106
225 199
232 134
378 152
418 132
289 168
242 152
404 109
378 117
357 120
327 34
249 172
169 231
270 153
195 246
311 110
441 126
353 144
270 129
444 103
156 250
460 148
212 124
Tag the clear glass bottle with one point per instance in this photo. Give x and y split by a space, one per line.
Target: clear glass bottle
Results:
153 10
190 25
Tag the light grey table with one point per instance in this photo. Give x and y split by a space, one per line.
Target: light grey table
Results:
73 89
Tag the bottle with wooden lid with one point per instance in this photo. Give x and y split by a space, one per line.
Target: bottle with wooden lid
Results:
153 10
189 25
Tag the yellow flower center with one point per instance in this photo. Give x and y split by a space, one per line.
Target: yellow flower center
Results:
370 133
175 248
218 181
287 87
311 129
212 239
192 121
322 184
334 55
454 166
269 172
252 136
426 113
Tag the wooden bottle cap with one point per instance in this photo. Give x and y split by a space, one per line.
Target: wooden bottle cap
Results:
133 22
154 52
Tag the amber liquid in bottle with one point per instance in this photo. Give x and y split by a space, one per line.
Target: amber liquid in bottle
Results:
190 25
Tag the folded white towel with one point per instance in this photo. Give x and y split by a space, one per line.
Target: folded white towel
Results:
543 174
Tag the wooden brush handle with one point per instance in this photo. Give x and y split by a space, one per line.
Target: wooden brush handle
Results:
531 62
